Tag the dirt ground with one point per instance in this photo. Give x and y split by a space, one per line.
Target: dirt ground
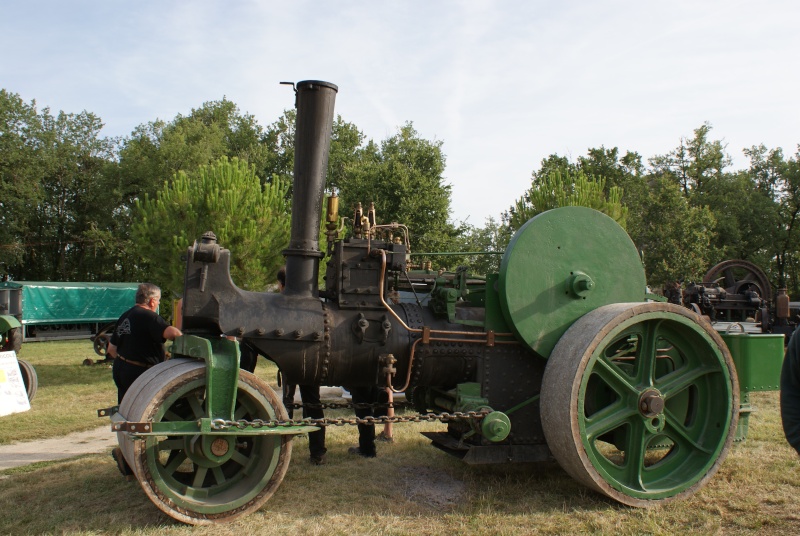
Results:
94 441
57 448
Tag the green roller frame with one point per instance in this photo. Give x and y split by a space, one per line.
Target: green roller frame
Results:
179 430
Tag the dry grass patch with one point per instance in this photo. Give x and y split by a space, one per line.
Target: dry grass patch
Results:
410 487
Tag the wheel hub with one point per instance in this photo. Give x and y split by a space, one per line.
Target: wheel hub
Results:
651 403
219 447
209 451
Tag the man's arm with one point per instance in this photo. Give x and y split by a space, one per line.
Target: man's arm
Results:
111 350
171 332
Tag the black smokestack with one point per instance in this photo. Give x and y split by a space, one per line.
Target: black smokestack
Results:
314 103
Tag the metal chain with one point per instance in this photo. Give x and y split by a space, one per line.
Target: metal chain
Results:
351 405
222 424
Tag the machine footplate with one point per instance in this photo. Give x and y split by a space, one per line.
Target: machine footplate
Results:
489 454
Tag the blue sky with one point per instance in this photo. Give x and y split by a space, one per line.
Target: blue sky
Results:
503 84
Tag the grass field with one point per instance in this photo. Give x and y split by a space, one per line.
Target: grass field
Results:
411 488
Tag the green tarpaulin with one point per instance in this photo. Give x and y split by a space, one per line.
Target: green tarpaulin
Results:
46 302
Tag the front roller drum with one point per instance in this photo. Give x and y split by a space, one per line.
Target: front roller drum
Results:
203 479
640 402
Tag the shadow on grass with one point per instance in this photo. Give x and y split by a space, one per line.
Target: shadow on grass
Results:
88 495
60 375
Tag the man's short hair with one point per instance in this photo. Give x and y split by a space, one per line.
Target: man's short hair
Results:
146 291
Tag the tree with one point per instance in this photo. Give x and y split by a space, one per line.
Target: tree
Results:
694 162
675 238
344 156
493 237
20 176
74 185
746 217
227 197
278 138
156 151
789 229
606 163
53 175
562 189
770 172
404 178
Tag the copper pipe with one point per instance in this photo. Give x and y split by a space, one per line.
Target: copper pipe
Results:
410 366
387 428
413 351
437 339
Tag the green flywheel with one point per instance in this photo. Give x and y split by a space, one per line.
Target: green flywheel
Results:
562 264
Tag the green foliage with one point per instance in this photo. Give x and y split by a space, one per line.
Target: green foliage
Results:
694 163
20 175
674 237
492 237
278 139
404 178
781 177
562 189
346 144
71 197
157 150
746 218
54 175
228 198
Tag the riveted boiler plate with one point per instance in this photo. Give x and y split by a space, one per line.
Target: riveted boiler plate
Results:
562 264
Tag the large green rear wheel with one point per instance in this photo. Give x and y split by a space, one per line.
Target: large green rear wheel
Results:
640 402
203 479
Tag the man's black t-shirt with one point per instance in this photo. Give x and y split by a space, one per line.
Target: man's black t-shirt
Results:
790 391
139 336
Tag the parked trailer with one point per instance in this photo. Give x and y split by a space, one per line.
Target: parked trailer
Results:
33 311
559 355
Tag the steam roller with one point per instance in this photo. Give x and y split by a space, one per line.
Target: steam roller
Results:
560 355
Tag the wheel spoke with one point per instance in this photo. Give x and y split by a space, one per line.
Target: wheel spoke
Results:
675 382
730 278
680 435
635 450
613 377
197 407
240 458
646 354
172 416
199 477
177 457
607 419
219 476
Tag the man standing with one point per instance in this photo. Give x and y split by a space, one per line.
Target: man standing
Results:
364 398
790 391
138 340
